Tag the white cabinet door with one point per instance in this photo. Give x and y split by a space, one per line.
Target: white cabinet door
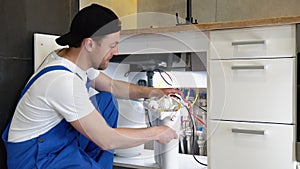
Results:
258 90
238 145
262 42
168 42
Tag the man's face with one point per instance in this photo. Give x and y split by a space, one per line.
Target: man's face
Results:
105 50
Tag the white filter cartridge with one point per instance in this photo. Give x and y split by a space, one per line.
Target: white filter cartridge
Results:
166 155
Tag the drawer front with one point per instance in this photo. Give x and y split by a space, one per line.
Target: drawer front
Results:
250 145
252 90
168 42
263 42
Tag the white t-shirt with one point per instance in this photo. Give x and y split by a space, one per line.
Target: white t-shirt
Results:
54 96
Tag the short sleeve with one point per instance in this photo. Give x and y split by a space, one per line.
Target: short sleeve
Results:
92 73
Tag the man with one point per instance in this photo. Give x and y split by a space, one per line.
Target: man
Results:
56 124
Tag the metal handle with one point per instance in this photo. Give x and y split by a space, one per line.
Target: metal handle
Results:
256 42
249 67
247 131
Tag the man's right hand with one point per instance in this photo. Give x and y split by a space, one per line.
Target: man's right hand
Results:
166 134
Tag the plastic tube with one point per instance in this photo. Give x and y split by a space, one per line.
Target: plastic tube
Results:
181 138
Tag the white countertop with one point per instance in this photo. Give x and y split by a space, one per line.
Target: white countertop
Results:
146 161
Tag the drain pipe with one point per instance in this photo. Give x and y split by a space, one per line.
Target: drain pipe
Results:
150 74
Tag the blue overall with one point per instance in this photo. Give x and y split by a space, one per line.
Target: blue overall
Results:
63 147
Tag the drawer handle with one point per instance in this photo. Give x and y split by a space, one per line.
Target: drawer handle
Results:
246 131
257 42
258 67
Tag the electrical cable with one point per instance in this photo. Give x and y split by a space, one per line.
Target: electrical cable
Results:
160 73
191 114
201 107
198 119
196 97
148 115
187 95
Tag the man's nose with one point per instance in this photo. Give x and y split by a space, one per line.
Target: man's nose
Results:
115 50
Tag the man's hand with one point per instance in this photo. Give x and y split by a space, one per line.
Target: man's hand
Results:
157 92
168 91
166 134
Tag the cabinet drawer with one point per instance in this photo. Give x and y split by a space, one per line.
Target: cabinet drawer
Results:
252 90
250 145
263 42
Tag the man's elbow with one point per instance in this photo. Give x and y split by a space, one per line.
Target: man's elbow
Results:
108 146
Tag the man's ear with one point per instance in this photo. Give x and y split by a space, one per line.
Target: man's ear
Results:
88 43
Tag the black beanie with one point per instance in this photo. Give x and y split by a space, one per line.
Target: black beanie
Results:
94 20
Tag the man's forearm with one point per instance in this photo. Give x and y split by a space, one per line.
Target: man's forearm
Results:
126 90
93 126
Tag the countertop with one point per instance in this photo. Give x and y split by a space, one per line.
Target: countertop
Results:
218 25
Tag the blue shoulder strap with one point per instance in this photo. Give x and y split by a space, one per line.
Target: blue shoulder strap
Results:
43 71
31 81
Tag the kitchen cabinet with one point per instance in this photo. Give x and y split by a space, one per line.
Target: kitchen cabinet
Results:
252 98
258 42
252 80
253 90
164 42
244 145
